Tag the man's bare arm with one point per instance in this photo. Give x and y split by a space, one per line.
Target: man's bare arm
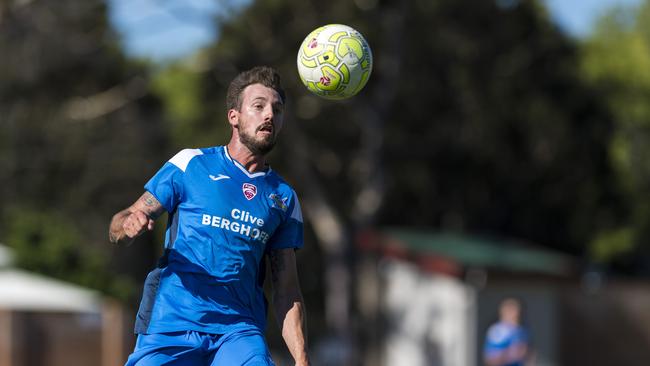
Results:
288 303
130 223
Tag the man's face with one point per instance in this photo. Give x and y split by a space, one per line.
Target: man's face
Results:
259 119
510 311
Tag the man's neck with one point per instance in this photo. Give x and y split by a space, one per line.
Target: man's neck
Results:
251 162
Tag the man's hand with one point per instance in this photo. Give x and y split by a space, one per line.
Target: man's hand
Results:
137 223
128 224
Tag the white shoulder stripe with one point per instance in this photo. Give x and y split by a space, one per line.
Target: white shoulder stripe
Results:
297 212
183 158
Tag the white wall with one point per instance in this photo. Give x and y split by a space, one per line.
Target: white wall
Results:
430 318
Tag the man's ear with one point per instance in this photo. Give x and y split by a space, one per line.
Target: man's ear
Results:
233 118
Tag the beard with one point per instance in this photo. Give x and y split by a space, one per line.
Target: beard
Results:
257 146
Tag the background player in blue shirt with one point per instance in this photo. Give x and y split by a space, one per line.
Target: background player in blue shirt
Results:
507 342
228 210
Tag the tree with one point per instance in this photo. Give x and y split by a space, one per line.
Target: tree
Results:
616 62
78 127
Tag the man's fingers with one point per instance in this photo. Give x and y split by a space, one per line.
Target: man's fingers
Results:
132 226
143 219
136 223
129 227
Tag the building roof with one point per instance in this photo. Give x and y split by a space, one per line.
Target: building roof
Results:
22 290
451 253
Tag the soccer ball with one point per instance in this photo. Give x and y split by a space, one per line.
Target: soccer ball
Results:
334 61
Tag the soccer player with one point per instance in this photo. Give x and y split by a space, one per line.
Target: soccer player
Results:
506 342
204 303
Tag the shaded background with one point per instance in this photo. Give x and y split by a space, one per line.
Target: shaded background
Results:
481 119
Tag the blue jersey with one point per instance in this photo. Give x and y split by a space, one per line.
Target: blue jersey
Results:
502 338
222 220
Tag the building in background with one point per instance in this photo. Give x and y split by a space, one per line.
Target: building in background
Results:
427 298
47 322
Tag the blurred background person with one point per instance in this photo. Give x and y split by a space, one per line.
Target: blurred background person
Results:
507 342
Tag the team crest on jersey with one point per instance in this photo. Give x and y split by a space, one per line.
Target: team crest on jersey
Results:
249 190
279 201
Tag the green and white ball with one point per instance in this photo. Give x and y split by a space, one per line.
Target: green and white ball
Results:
334 61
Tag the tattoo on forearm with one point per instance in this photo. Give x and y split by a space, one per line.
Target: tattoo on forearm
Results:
149 199
277 264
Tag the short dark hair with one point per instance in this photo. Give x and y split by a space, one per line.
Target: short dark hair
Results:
264 75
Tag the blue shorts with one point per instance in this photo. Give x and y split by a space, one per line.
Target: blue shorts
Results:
201 349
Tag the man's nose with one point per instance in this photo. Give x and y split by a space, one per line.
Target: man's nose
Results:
268 113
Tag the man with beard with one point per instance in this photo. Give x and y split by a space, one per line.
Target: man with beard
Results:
204 303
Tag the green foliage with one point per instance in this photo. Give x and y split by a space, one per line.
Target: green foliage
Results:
177 86
474 119
194 118
78 129
616 59
50 235
616 62
608 245
48 242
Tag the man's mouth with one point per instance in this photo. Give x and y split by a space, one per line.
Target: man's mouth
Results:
267 127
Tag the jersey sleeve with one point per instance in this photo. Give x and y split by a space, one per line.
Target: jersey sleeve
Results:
167 184
500 339
290 232
496 341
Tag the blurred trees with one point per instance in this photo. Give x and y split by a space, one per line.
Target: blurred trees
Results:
616 63
490 128
78 129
